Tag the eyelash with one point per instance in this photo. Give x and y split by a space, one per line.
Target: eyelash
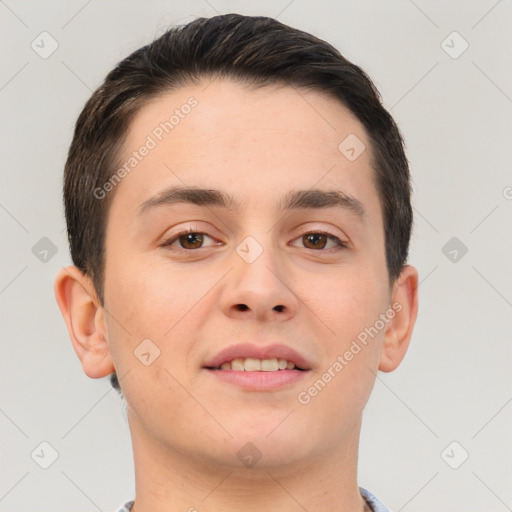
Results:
339 243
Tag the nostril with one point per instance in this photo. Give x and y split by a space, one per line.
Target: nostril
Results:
242 307
279 308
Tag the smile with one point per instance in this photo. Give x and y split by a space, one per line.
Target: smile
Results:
251 364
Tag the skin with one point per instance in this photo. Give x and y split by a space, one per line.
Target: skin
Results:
187 425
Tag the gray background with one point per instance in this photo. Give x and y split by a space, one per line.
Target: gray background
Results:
455 382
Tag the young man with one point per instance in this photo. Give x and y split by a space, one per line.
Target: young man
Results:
238 210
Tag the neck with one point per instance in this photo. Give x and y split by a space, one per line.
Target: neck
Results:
167 480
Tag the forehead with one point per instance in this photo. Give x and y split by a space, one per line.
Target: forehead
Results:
250 142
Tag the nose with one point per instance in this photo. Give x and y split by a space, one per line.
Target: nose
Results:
259 289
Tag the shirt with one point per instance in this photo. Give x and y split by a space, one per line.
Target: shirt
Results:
373 502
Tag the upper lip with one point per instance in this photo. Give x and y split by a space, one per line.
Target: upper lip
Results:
243 351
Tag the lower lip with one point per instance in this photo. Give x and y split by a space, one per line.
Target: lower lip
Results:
260 381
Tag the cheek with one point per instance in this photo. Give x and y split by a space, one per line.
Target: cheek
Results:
149 314
347 302
161 305
152 300
350 308
340 389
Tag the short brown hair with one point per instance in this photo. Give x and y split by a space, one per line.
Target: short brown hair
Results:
252 50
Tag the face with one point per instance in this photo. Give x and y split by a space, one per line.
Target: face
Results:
279 266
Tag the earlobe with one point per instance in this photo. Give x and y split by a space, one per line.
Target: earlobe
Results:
404 301
85 320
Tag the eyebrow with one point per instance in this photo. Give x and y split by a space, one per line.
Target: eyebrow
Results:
294 200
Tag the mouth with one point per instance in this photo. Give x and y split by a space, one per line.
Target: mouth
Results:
258 368
251 364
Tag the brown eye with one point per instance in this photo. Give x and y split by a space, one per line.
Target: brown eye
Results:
191 240
321 241
314 240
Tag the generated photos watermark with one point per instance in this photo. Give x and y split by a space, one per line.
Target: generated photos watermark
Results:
152 140
357 345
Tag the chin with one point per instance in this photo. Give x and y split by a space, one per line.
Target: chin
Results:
271 444
255 455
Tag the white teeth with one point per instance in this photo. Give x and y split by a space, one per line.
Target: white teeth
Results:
251 364
237 364
269 365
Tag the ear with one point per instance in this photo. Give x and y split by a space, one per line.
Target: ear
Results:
85 320
404 301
